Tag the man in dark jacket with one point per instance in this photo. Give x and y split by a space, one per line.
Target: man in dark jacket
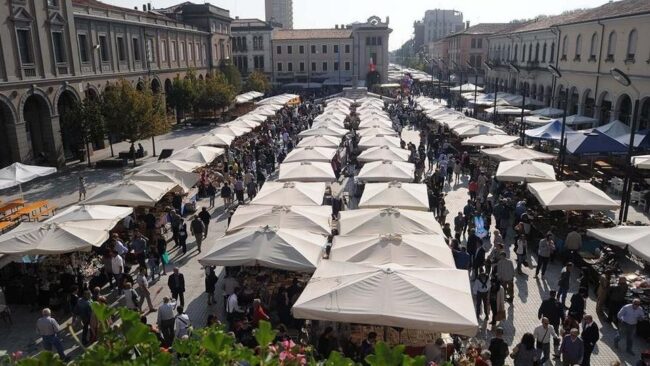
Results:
590 335
84 311
176 284
552 310
498 348
198 230
205 217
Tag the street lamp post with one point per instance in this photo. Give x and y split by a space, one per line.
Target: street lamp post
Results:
490 67
475 84
557 75
522 124
623 79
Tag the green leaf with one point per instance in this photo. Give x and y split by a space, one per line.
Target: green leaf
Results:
217 342
336 359
264 334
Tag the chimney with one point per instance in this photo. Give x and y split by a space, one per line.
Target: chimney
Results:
149 6
467 24
135 8
144 7
336 26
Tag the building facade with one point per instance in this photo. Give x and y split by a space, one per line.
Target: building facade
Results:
279 12
342 55
585 46
251 45
57 52
439 23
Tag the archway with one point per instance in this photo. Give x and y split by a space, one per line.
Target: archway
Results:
574 101
533 91
372 78
36 114
71 139
200 77
513 86
139 86
560 98
644 114
540 93
605 109
168 86
588 103
7 121
91 94
548 96
155 86
624 109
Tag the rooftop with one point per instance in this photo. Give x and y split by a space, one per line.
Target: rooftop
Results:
613 9
485 28
290 34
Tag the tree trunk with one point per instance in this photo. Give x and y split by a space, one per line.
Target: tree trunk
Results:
178 115
88 153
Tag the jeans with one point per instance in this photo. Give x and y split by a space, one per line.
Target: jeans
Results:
179 296
53 340
626 331
545 350
542 263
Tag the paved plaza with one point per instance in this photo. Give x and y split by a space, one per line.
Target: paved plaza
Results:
521 316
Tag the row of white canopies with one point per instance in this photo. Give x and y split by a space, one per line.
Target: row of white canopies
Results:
80 227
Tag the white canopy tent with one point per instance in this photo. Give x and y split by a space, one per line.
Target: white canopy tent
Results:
251 116
130 193
377 130
641 161
310 153
635 238
184 180
242 122
214 140
320 141
231 130
278 99
16 174
168 164
198 154
290 194
324 131
326 123
470 131
91 212
507 110
437 300
314 219
490 140
548 112
537 121
410 196
466 87
516 152
367 142
387 171
374 122
570 195
306 171
387 221
247 97
32 238
422 251
527 171
287 249
267 110
384 153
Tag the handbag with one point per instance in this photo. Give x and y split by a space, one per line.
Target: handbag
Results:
165 258
500 315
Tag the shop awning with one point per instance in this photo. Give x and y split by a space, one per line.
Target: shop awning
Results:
570 195
410 196
387 171
306 171
527 171
516 152
384 153
314 219
290 194
387 221
132 193
635 238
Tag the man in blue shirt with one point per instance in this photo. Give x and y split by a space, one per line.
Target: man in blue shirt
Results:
461 257
572 348
628 317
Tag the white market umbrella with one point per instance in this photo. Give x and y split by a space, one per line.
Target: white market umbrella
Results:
367 142
91 212
132 193
286 249
198 154
375 122
252 116
243 123
570 195
384 153
466 87
290 194
306 171
411 196
527 171
230 130
184 180
470 131
516 152
327 123
169 164
635 238
267 110
377 130
548 112
641 161
55 237
214 140
490 140
16 174
387 221
313 219
387 171
310 153
422 251
430 299
324 131
320 141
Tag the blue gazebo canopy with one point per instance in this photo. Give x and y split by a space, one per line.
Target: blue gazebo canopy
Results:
550 131
593 143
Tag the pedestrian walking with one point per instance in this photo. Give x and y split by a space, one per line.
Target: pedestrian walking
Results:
182 324
498 348
210 283
554 312
198 231
564 282
544 334
131 298
524 353
590 335
628 317
480 289
205 217
166 319
48 328
212 192
572 349
117 269
505 271
83 311
143 289
82 187
544 250
176 284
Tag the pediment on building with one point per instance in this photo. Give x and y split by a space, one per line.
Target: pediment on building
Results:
57 19
20 14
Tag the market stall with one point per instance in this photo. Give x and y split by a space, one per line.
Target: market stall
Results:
313 219
409 196
387 171
387 221
571 195
516 152
306 171
131 193
310 153
320 141
290 194
367 142
527 171
489 140
384 153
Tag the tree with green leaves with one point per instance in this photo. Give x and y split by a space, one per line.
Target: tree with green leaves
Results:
132 114
132 343
183 95
215 93
85 118
232 75
257 81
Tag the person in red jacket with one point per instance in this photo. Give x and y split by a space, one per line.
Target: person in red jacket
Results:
258 313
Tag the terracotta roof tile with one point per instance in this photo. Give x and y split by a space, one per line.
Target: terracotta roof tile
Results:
290 34
613 10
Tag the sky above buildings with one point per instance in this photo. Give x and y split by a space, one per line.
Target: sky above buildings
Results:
402 13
